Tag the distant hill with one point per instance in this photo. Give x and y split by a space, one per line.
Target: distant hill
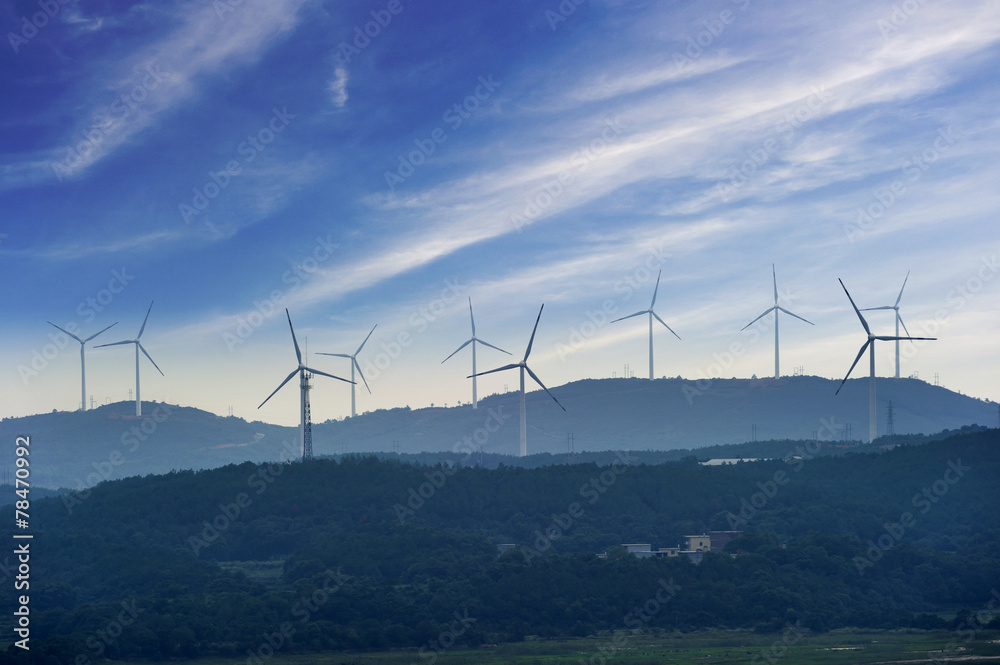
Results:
76 450
663 414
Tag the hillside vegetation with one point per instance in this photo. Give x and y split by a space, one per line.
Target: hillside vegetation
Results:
361 553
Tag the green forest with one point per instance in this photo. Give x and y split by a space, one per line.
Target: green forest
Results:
368 553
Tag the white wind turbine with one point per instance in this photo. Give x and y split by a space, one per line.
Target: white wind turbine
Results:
83 364
652 314
138 348
523 366
354 363
475 399
870 344
774 308
303 388
899 319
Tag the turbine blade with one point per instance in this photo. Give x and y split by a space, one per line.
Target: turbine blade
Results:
316 371
901 289
354 360
653 301
493 347
892 339
774 278
457 350
74 336
796 316
97 333
533 331
472 318
282 385
144 320
645 311
539 382
338 355
298 354
901 322
657 317
860 353
498 369
856 310
366 339
124 341
150 357
766 312
868 309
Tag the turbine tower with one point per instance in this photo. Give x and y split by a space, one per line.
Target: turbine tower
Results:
899 319
475 399
138 348
354 363
305 373
775 308
83 364
870 345
652 314
523 366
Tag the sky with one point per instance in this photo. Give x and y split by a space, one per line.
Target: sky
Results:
382 163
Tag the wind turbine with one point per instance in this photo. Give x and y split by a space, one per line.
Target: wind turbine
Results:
775 308
870 345
899 319
475 400
652 314
138 347
83 364
301 370
524 368
354 363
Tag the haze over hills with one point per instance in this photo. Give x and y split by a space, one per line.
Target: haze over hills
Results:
74 449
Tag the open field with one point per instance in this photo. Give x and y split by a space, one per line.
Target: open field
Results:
712 647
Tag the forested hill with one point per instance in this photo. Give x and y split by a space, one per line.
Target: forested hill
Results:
397 550
78 449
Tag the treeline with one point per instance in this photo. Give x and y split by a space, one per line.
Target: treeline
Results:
378 553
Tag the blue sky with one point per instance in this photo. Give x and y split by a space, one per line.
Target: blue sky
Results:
382 162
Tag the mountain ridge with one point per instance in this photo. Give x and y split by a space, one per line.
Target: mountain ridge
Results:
79 449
